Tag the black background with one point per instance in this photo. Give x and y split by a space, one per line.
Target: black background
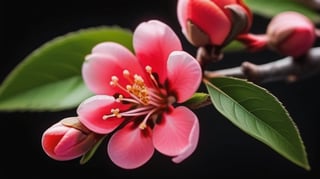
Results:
223 150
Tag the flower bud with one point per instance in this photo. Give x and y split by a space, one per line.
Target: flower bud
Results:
213 22
68 139
291 33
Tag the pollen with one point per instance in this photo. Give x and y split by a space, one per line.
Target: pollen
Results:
142 126
114 81
149 69
135 87
139 89
114 113
126 73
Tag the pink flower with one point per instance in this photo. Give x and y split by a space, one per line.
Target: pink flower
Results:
213 22
137 96
291 33
68 139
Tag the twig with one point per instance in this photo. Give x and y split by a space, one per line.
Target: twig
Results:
287 69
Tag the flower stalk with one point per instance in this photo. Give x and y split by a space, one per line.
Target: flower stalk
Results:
286 69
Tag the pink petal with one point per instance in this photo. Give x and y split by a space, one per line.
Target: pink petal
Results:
106 60
177 134
223 3
64 143
71 138
131 147
287 38
184 74
92 110
182 14
153 42
202 12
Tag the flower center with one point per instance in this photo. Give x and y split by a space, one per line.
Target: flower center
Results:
146 101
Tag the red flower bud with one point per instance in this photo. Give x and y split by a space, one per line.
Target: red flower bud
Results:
213 22
291 33
68 139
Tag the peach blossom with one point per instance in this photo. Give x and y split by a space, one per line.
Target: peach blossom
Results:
138 95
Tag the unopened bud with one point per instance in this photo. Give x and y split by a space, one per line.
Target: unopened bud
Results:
213 22
68 139
291 33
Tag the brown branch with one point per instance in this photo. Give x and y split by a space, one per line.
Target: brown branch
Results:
287 69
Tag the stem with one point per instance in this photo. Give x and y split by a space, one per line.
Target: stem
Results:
208 54
286 69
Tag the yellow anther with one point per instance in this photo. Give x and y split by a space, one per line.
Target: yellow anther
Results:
138 79
129 87
112 83
120 96
115 113
142 126
126 73
148 69
115 79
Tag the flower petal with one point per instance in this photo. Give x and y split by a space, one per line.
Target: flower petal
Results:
184 74
131 147
182 14
64 143
92 110
153 42
177 134
202 12
287 39
106 60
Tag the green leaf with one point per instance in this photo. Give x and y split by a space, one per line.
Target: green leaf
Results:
234 46
269 8
258 113
50 77
197 100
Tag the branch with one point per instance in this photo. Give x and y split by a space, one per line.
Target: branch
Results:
287 69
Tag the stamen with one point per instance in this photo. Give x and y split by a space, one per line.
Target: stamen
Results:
121 98
114 81
138 80
126 73
149 70
136 87
129 87
115 113
143 124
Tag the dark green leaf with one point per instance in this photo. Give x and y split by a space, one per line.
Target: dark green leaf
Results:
258 113
270 8
50 77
